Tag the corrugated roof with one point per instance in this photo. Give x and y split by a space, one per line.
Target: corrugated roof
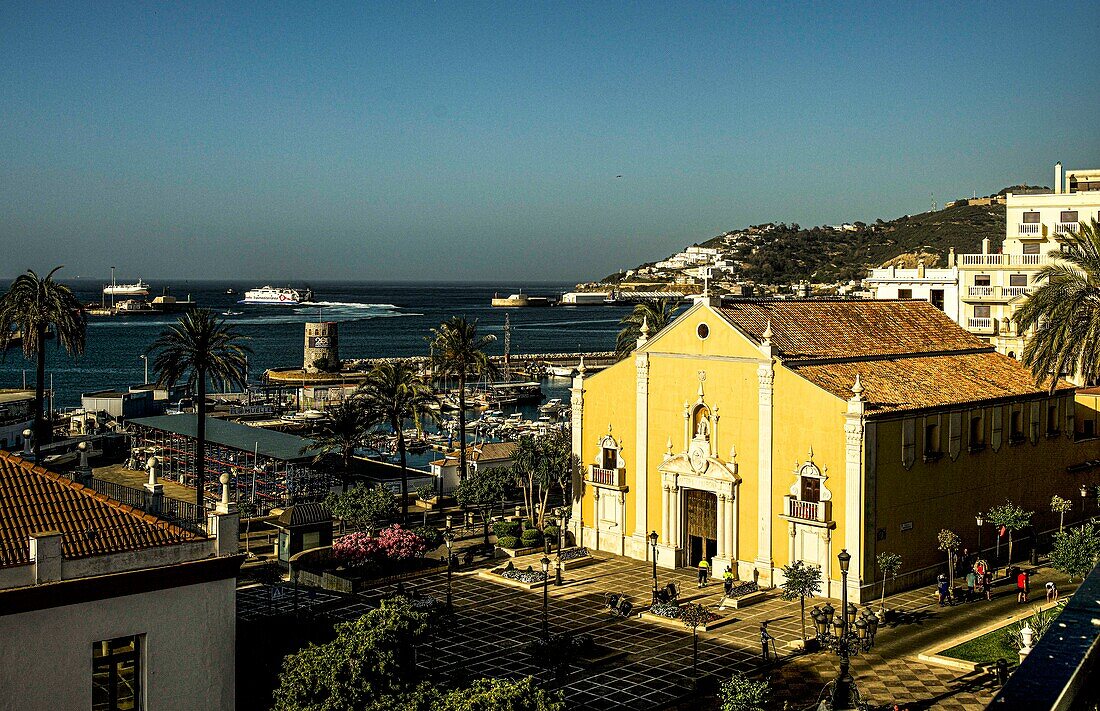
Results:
34 500
850 329
269 443
913 383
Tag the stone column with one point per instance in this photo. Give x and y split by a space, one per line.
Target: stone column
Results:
721 527
666 507
641 453
732 524
765 375
576 401
853 488
674 541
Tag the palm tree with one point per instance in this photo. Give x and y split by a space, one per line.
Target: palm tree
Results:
458 350
347 428
34 306
654 313
200 348
395 393
1064 311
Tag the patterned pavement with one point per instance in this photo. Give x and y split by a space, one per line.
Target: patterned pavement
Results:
493 624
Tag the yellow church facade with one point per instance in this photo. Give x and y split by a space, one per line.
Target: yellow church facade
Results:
765 432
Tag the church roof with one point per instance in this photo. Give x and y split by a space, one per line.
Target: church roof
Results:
823 328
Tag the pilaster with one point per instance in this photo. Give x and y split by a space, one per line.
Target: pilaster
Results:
765 375
641 448
853 485
576 402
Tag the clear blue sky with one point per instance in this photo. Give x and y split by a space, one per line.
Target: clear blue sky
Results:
454 141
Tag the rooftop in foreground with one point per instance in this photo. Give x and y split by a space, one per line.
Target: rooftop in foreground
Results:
268 443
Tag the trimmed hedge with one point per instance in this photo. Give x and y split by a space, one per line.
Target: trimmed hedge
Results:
551 532
508 542
532 537
506 529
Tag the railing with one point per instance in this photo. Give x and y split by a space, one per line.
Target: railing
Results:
980 291
607 477
980 324
1063 228
183 514
807 510
181 510
1003 260
1013 291
1025 229
996 293
120 492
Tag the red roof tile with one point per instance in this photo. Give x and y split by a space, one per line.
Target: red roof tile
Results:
34 500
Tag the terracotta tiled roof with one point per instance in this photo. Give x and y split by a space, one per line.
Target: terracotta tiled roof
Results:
850 329
913 383
34 500
488 451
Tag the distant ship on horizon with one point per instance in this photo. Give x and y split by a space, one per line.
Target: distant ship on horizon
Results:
140 288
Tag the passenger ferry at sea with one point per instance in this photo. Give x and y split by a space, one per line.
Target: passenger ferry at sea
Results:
277 295
138 289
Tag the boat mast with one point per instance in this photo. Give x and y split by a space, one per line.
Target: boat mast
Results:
112 288
507 347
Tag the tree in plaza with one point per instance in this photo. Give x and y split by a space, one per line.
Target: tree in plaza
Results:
1060 506
482 491
395 393
367 663
1064 310
364 507
541 464
1011 517
200 348
458 350
888 564
656 314
425 493
347 428
949 542
694 616
1076 551
800 582
740 693
482 695
33 306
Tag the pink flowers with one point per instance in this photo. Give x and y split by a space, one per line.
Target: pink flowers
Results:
391 544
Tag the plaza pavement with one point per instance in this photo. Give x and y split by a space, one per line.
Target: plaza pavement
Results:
494 623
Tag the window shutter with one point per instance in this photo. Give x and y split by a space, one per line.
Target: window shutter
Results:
908 442
1071 417
998 430
1034 423
954 442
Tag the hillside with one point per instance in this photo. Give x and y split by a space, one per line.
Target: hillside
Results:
779 254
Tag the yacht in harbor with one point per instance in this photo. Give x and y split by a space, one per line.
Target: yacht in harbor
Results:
276 295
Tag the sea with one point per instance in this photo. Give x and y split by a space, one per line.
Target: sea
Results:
376 320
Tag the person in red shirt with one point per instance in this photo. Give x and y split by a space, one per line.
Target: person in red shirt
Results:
1021 586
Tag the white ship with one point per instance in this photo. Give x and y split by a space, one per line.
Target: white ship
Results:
138 289
276 295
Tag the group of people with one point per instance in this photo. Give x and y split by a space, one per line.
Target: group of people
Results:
979 584
704 576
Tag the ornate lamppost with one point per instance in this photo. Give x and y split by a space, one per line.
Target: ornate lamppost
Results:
843 640
980 521
653 543
1084 503
545 597
448 538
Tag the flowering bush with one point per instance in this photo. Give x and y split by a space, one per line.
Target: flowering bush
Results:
666 609
571 553
744 588
356 549
524 576
397 543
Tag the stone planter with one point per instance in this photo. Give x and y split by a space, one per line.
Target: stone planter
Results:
714 624
517 552
494 574
736 603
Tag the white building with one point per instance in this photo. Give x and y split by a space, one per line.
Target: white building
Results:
936 285
16 415
489 455
104 606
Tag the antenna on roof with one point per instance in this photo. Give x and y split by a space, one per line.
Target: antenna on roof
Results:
933 202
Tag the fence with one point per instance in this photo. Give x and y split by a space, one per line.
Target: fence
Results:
183 514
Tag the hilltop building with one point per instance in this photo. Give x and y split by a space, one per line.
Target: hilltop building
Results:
105 606
938 286
763 432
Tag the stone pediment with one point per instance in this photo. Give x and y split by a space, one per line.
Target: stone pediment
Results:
698 464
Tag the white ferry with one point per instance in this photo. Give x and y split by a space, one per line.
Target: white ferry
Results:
138 289
276 295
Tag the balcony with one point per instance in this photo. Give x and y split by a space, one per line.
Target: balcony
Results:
815 511
610 478
1011 292
995 293
1029 229
1065 228
1003 260
981 325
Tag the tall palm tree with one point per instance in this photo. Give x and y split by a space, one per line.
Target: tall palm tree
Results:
458 350
654 313
34 305
395 393
200 348
1064 311
347 428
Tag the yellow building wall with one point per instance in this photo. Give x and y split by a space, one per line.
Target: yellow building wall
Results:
609 400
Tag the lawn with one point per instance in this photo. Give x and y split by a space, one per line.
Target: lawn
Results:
988 648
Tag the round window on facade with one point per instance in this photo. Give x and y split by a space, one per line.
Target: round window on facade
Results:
702 330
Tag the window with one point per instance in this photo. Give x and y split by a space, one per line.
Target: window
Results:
1088 430
811 489
1017 427
977 433
1067 216
1031 218
1031 249
932 441
936 297
1053 425
981 311
610 457
1017 279
905 293
981 280
116 674
702 330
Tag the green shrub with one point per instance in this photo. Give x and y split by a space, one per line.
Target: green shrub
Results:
433 538
508 542
551 532
532 537
506 529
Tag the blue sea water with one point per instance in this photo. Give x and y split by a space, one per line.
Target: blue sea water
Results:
376 319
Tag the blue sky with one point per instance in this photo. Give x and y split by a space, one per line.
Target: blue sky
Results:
454 141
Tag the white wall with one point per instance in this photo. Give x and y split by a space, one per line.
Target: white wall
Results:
188 660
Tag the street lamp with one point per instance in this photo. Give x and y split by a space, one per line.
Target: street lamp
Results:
851 633
545 597
979 521
653 542
1084 502
448 538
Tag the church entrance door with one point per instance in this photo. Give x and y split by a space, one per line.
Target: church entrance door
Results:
702 525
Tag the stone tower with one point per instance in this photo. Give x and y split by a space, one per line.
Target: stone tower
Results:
321 342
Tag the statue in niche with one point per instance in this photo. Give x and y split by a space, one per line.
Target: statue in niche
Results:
702 430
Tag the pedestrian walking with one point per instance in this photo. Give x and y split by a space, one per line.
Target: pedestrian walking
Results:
942 589
971 584
765 639
704 569
987 583
727 581
1052 591
1021 587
